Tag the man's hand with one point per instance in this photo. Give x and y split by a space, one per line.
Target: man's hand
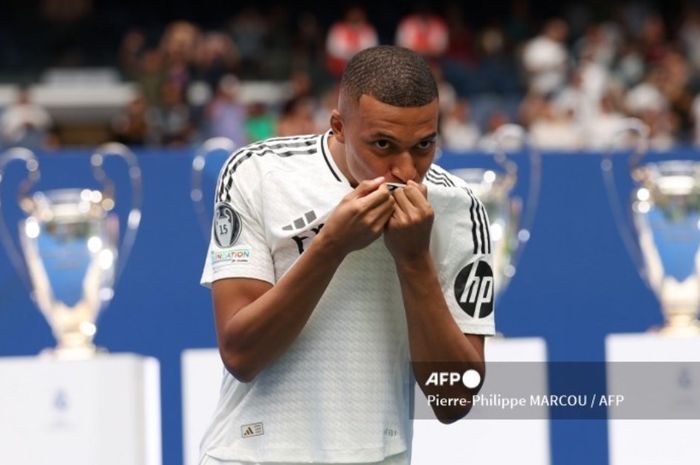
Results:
359 218
407 234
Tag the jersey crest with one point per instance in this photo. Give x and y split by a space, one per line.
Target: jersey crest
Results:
227 225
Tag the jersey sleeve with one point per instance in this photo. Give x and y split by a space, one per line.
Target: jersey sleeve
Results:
238 246
465 263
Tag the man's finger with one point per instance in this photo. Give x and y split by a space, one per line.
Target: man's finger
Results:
402 200
382 213
379 196
416 196
420 186
365 187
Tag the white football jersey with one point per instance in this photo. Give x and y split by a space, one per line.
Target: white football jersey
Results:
342 392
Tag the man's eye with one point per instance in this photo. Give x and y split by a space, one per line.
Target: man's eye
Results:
382 144
425 144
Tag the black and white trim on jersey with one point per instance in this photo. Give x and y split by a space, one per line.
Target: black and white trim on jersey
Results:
481 236
279 146
324 142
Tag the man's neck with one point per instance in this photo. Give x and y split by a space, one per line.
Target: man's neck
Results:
338 153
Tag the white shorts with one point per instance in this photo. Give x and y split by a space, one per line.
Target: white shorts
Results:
398 459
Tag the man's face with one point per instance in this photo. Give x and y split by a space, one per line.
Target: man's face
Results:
383 140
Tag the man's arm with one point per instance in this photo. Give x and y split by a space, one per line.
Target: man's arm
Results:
434 336
256 321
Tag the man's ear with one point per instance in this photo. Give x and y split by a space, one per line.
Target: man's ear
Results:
337 126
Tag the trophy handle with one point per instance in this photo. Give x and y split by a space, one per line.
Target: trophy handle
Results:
25 202
199 162
134 218
641 147
519 134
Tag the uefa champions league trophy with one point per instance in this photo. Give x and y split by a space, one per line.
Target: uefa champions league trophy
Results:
510 226
664 239
199 163
70 253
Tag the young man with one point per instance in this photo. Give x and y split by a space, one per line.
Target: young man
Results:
329 287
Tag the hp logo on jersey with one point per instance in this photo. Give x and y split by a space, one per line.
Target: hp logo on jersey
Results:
474 289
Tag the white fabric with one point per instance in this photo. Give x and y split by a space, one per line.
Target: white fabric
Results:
399 459
342 391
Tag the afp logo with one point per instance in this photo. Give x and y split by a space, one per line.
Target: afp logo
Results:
474 289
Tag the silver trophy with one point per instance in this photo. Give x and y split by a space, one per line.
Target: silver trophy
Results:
510 219
70 253
199 163
664 239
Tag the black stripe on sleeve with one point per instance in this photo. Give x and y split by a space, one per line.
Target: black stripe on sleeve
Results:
430 177
438 175
472 208
482 226
294 145
325 157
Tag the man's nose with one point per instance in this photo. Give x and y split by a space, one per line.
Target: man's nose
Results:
403 167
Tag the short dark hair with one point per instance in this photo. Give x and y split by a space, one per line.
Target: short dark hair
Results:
393 75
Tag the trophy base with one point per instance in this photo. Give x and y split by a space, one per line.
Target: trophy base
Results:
73 353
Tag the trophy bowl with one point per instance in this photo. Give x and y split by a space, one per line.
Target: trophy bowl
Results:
70 252
660 227
666 212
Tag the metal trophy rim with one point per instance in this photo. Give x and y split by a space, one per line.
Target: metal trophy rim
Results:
500 153
34 174
199 162
621 214
134 218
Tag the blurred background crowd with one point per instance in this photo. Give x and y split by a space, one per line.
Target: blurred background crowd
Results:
82 71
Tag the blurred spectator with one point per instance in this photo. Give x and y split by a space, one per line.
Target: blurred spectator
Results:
603 131
424 32
689 35
308 50
261 123
328 103
553 128
151 77
131 53
646 102
653 39
583 93
488 142
132 126
347 37
25 124
446 92
178 45
497 71
696 120
215 57
249 29
277 61
296 117
225 115
629 68
299 84
458 132
172 119
546 58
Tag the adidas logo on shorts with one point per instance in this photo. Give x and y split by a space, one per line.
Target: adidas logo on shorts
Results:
251 430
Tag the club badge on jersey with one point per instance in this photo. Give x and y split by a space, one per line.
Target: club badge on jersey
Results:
227 225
